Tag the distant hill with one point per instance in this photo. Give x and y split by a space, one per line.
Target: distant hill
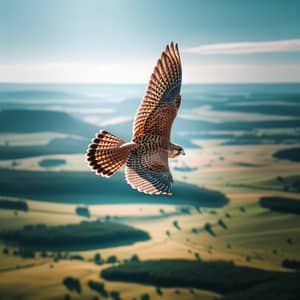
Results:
87 188
27 121
184 130
55 146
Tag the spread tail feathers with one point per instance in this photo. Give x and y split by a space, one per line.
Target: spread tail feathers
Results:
106 154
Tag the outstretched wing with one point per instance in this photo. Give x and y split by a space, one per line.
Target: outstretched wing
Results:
147 170
162 99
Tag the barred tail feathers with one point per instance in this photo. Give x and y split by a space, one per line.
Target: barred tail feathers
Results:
106 154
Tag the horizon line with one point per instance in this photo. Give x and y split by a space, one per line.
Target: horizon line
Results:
143 83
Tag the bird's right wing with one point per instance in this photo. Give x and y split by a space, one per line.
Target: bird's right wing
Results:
147 170
162 99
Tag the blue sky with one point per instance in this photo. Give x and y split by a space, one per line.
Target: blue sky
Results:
119 41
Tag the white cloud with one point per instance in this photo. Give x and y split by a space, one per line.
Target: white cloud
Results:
205 113
242 73
263 103
75 72
140 73
108 122
292 45
81 110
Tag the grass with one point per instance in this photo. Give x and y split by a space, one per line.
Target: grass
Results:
287 183
279 183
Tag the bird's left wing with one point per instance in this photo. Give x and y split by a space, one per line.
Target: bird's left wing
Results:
162 98
147 170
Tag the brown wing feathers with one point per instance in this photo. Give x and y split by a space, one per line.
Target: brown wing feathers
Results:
147 171
147 168
166 77
164 86
104 154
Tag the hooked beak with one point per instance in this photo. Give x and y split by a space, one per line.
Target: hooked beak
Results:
182 152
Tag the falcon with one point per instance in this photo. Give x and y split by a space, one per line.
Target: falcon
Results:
146 156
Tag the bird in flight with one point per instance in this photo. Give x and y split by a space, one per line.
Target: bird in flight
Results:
146 156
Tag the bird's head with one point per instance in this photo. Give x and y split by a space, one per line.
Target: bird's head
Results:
176 151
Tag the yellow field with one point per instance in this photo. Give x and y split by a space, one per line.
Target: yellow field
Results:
252 235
